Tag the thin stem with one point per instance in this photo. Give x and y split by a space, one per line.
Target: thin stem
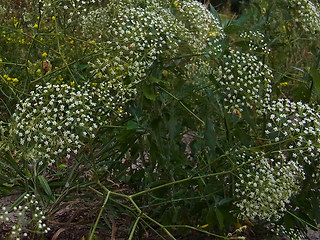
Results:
160 225
99 216
182 104
134 228
301 220
197 229
180 181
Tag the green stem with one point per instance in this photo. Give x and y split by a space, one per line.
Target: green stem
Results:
180 181
99 216
182 104
197 229
303 221
160 225
134 228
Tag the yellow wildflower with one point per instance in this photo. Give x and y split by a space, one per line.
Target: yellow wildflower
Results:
44 54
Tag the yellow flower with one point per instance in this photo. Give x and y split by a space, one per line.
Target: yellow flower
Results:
72 83
44 54
239 113
213 34
176 4
36 26
93 42
15 80
284 28
5 76
203 226
71 42
284 84
0 59
53 18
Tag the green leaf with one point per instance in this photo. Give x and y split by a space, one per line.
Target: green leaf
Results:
210 217
232 29
243 19
62 166
220 218
210 136
8 184
155 79
302 93
315 74
214 12
11 162
44 184
131 125
148 92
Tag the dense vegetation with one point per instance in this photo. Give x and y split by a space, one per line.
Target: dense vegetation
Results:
159 119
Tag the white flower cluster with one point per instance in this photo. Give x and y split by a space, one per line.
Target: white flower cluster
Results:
133 36
292 234
256 41
265 187
307 15
201 24
57 120
297 127
30 218
74 9
246 81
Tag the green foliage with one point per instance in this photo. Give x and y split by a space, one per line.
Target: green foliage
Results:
174 117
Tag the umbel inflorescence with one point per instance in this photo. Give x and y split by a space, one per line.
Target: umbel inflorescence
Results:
245 81
264 187
307 15
57 120
296 126
131 37
30 218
